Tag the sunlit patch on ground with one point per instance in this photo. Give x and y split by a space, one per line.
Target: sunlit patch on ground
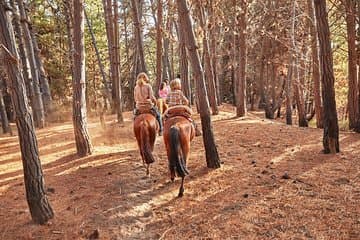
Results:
274 183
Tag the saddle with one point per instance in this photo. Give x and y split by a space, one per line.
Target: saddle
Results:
180 110
138 112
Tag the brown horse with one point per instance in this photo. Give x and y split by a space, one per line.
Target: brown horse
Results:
145 129
178 133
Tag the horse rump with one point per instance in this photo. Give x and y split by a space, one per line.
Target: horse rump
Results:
176 160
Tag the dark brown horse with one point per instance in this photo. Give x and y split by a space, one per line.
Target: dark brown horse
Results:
178 133
145 129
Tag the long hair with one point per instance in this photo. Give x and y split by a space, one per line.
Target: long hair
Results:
142 78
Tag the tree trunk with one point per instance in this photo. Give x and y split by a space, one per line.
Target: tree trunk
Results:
4 119
138 35
353 108
82 138
44 81
209 74
183 65
241 66
315 66
37 103
98 57
212 157
298 93
159 45
331 128
22 52
39 205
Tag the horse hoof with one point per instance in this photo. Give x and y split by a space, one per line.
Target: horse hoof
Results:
172 179
180 194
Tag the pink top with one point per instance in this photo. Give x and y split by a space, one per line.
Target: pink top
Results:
163 92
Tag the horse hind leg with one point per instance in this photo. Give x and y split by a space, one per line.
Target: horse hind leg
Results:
181 190
147 170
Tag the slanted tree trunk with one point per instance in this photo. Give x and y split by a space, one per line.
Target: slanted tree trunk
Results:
38 203
315 65
98 57
37 103
159 45
212 157
353 108
22 52
209 74
44 81
331 128
82 138
241 66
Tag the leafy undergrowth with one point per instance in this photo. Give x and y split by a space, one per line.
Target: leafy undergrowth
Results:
274 183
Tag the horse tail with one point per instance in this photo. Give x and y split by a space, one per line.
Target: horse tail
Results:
177 161
145 143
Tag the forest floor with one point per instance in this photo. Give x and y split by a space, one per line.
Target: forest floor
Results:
274 183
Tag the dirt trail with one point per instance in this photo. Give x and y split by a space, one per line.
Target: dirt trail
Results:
273 183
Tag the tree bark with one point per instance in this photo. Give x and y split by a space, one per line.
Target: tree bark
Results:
184 66
209 74
37 103
353 108
82 138
22 52
241 66
98 57
159 45
118 96
212 157
315 66
44 81
4 119
331 128
39 205
138 35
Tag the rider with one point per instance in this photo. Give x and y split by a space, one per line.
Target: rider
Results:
176 97
145 99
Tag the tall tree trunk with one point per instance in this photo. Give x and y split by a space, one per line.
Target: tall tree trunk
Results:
135 4
159 44
353 108
118 103
107 4
98 57
212 156
357 129
184 68
213 33
4 119
68 12
241 66
37 103
298 93
209 74
39 205
331 128
44 81
22 52
315 65
82 138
